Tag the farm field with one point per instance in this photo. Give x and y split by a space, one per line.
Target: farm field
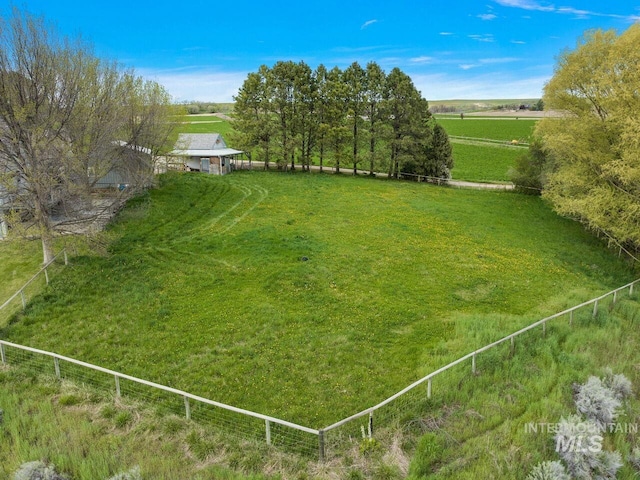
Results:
483 162
504 130
482 149
309 297
204 124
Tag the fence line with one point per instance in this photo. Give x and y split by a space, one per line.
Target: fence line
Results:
472 355
46 275
318 444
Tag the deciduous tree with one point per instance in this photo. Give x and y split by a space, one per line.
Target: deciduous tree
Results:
66 118
595 146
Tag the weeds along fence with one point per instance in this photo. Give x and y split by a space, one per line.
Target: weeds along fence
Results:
403 408
398 410
29 289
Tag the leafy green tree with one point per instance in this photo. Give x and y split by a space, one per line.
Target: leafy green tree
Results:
322 99
281 85
336 121
595 146
305 116
531 168
407 114
67 118
374 112
254 126
355 78
439 154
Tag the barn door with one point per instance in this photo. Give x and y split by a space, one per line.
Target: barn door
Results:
204 165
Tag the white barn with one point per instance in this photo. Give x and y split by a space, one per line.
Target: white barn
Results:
205 152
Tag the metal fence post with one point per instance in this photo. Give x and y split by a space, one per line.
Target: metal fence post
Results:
321 451
24 301
46 276
117 385
187 408
66 260
615 296
56 363
571 318
2 354
595 308
267 428
473 364
544 329
429 388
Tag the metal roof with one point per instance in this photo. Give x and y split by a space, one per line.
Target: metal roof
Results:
200 141
217 152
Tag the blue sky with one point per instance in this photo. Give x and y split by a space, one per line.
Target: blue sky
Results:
456 49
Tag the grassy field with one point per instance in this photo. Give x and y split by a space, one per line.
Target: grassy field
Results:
308 297
20 260
504 130
482 148
483 162
204 124
88 436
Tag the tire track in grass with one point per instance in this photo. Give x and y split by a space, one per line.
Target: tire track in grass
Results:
262 193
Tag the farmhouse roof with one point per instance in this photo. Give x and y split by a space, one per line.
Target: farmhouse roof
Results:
217 152
200 141
203 145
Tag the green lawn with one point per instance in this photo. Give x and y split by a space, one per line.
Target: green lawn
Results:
309 297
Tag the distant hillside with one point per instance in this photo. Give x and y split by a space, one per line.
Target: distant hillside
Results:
454 106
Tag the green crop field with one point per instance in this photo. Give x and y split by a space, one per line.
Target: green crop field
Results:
308 297
500 129
482 148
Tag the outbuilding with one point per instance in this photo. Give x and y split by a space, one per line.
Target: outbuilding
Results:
205 152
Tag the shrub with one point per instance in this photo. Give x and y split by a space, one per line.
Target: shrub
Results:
133 474
579 444
618 384
37 471
597 402
549 471
634 458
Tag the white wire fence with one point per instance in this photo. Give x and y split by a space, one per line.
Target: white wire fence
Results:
20 299
401 408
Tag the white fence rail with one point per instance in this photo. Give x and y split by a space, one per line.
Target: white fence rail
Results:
44 270
271 430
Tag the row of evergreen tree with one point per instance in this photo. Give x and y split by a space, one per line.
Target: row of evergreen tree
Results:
361 117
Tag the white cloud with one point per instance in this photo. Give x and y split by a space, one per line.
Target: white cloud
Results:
446 33
447 87
526 5
518 42
498 60
487 16
367 23
468 66
487 37
581 14
422 59
198 84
